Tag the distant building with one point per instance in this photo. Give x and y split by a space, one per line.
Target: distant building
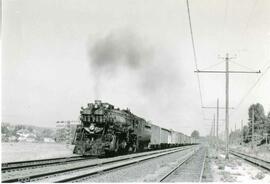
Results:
49 140
12 139
26 136
31 138
22 132
21 139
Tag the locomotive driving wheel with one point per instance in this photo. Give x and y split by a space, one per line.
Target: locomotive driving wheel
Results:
134 148
134 144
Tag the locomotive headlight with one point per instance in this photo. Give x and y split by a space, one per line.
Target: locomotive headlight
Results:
92 127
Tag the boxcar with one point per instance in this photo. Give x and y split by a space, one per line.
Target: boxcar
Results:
155 135
177 138
181 138
165 138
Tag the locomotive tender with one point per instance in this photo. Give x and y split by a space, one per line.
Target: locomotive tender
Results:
106 130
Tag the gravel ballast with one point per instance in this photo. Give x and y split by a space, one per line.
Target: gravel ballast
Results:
147 171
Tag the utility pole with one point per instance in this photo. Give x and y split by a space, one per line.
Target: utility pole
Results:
214 133
211 136
227 106
217 122
242 132
252 121
227 71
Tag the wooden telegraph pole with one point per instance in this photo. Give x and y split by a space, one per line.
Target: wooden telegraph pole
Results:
227 105
252 121
242 133
227 71
214 132
217 119
217 123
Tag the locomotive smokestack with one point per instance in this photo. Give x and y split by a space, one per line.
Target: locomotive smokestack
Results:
98 102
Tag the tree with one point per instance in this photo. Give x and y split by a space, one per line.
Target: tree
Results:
235 137
4 128
47 132
267 126
259 119
195 134
267 122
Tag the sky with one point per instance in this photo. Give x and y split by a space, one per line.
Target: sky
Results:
59 55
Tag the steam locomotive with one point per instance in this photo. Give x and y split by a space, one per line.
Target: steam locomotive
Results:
106 130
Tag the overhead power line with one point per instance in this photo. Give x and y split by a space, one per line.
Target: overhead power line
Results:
213 65
222 33
243 66
194 54
249 17
253 86
192 38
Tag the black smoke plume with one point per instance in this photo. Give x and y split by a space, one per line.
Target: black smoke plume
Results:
156 76
113 51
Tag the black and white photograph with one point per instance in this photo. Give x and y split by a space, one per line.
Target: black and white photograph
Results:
144 91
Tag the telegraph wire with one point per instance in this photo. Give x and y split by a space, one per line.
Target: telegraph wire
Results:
253 86
224 25
242 65
192 38
250 14
248 19
194 53
213 65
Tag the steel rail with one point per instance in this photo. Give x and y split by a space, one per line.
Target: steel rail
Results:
203 167
181 163
125 163
10 166
57 172
168 174
250 156
251 159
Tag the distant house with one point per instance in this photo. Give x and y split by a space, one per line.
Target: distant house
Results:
12 139
26 136
48 139
22 132
21 139
31 138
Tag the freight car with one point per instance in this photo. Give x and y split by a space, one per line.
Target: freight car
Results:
106 130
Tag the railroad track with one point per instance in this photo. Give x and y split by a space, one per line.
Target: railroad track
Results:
251 159
11 166
190 169
84 169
